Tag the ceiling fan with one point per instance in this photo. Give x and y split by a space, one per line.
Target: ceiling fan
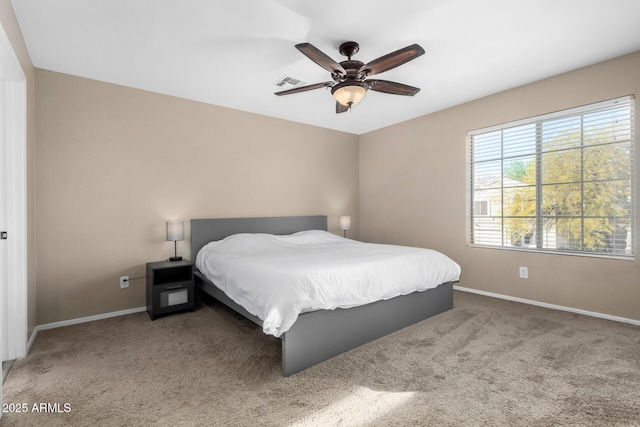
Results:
350 78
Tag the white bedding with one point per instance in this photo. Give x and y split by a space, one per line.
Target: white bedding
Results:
278 277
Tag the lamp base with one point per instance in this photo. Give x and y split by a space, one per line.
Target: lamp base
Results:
175 258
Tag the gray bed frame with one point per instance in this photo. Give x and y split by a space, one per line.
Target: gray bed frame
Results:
320 335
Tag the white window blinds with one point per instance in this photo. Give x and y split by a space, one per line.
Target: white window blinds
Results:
562 182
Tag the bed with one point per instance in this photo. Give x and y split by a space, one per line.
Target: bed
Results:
321 334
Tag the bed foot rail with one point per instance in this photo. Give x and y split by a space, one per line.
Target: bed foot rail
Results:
320 335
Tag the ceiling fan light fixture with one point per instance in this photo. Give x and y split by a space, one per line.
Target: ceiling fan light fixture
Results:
349 93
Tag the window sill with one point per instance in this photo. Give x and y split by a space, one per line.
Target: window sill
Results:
552 252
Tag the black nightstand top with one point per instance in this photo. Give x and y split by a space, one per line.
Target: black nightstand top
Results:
169 264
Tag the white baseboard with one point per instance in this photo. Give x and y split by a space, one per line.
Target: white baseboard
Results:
80 320
32 338
552 306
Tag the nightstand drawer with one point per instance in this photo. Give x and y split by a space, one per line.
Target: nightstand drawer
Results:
172 297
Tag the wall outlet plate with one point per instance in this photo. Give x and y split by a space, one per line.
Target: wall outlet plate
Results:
524 273
124 282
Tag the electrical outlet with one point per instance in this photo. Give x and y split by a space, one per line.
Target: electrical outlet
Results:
524 273
124 282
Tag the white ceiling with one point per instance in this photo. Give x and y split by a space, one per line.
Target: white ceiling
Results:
231 53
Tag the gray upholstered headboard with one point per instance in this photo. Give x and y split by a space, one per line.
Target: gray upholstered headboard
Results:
204 231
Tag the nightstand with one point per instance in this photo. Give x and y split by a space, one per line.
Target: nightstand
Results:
170 287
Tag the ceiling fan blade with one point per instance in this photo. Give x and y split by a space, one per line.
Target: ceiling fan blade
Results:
320 58
341 108
393 88
391 60
304 88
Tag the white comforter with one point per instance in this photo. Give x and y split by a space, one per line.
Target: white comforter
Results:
278 277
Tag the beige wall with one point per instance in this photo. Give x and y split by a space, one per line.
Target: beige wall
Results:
114 163
413 183
10 26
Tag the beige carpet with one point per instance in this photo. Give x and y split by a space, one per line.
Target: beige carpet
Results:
486 362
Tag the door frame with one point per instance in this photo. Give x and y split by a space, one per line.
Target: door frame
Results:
14 135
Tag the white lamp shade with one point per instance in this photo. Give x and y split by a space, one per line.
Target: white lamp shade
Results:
345 223
175 230
349 95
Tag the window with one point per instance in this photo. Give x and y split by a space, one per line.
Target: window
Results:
481 207
562 182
